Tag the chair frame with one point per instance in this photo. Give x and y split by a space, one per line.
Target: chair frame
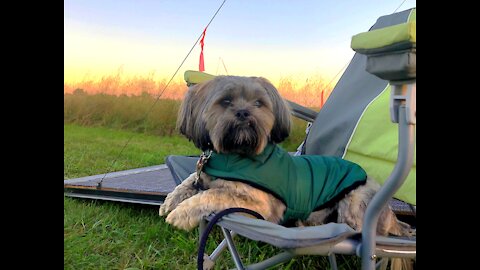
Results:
369 247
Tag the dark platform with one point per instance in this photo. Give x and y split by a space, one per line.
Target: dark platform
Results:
148 185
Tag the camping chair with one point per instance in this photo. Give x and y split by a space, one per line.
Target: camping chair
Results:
352 124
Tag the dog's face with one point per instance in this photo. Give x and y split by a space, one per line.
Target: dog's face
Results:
232 114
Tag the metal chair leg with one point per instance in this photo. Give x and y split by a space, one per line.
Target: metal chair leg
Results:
333 261
233 249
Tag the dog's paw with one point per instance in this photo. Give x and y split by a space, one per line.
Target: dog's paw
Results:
169 204
164 209
183 219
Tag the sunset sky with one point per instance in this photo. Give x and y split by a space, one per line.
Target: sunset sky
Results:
270 38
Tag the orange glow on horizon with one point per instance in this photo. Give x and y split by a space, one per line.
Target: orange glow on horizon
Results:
117 66
307 92
91 57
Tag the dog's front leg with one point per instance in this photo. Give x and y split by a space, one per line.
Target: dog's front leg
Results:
190 212
185 190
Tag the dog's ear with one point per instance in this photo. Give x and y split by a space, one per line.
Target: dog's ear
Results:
281 110
185 113
189 115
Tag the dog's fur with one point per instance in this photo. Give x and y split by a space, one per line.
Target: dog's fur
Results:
232 114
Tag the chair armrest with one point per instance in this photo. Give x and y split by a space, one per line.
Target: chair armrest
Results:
391 51
301 112
193 77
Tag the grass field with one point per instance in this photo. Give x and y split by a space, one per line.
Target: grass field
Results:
311 92
107 235
142 114
91 150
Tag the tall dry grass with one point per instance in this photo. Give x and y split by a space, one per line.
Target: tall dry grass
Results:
135 113
117 85
310 93
131 104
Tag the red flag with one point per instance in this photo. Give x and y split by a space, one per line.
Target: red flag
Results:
201 65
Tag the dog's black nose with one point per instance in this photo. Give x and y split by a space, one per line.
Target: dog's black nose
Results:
242 114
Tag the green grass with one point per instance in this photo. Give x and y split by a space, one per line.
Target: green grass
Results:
108 235
137 113
92 150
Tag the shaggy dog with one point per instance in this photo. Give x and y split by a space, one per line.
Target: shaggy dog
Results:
238 121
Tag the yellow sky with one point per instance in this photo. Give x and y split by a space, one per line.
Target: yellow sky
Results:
272 39
93 56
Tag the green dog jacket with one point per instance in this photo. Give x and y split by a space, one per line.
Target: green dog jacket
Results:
304 183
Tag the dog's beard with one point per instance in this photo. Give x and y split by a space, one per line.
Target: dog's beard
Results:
241 137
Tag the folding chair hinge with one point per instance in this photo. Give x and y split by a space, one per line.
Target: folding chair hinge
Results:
307 129
404 95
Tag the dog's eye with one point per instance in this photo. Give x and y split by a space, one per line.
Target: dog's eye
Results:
226 102
258 103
